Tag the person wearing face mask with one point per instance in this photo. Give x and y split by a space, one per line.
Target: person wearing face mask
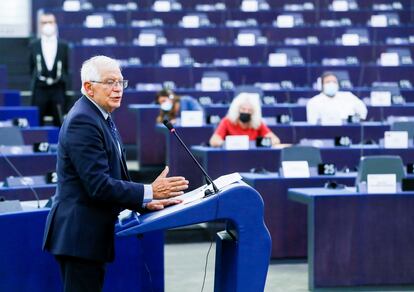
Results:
243 118
49 69
171 105
333 106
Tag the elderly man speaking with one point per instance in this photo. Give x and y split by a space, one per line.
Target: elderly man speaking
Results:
93 181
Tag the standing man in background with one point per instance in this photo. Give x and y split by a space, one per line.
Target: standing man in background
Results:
49 68
93 181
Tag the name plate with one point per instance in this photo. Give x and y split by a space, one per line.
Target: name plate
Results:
379 20
210 84
16 150
191 21
340 5
71 5
381 183
192 118
331 120
278 60
350 39
94 21
390 59
285 21
295 169
395 139
246 39
236 142
147 39
380 98
162 6
170 60
24 181
250 6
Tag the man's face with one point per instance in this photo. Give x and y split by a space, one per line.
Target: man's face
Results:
47 19
107 96
329 79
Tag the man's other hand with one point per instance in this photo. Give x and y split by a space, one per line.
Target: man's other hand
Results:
165 187
155 205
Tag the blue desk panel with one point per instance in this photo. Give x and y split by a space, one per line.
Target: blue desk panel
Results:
25 193
9 97
219 17
358 239
25 267
219 161
287 133
28 164
40 134
286 220
31 113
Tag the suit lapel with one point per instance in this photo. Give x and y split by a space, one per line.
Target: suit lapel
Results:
108 135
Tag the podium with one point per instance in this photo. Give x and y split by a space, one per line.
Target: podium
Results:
242 249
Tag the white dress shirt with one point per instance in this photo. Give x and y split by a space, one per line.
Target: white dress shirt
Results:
322 109
49 50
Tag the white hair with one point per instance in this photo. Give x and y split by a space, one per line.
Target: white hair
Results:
91 68
253 100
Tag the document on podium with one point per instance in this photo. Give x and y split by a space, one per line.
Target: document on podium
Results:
130 218
220 182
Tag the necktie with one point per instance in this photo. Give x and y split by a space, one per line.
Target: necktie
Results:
114 132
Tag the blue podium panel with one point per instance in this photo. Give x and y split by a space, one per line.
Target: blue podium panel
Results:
27 164
357 239
246 242
25 267
286 220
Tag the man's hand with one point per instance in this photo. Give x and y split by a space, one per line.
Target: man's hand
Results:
165 187
155 205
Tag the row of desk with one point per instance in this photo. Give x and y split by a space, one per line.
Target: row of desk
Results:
137 125
360 16
125 33
365 53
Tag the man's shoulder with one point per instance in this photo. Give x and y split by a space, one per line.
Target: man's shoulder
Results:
316 98
82 110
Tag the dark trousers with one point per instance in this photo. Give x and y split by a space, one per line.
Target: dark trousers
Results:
81 275
50 101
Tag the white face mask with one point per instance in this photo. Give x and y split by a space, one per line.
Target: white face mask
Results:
49 29
166 106
330 88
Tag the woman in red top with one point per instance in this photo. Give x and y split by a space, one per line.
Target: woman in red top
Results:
243 118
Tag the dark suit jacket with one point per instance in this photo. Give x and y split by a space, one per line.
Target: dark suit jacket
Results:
62 55
93 187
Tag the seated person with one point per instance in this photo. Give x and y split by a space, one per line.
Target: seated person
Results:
243 118
172 104
333 105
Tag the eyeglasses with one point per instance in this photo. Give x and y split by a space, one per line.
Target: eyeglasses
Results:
113 83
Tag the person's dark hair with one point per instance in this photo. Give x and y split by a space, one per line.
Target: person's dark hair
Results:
163 92
328 73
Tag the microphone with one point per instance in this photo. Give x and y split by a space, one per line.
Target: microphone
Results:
208 192
21 176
